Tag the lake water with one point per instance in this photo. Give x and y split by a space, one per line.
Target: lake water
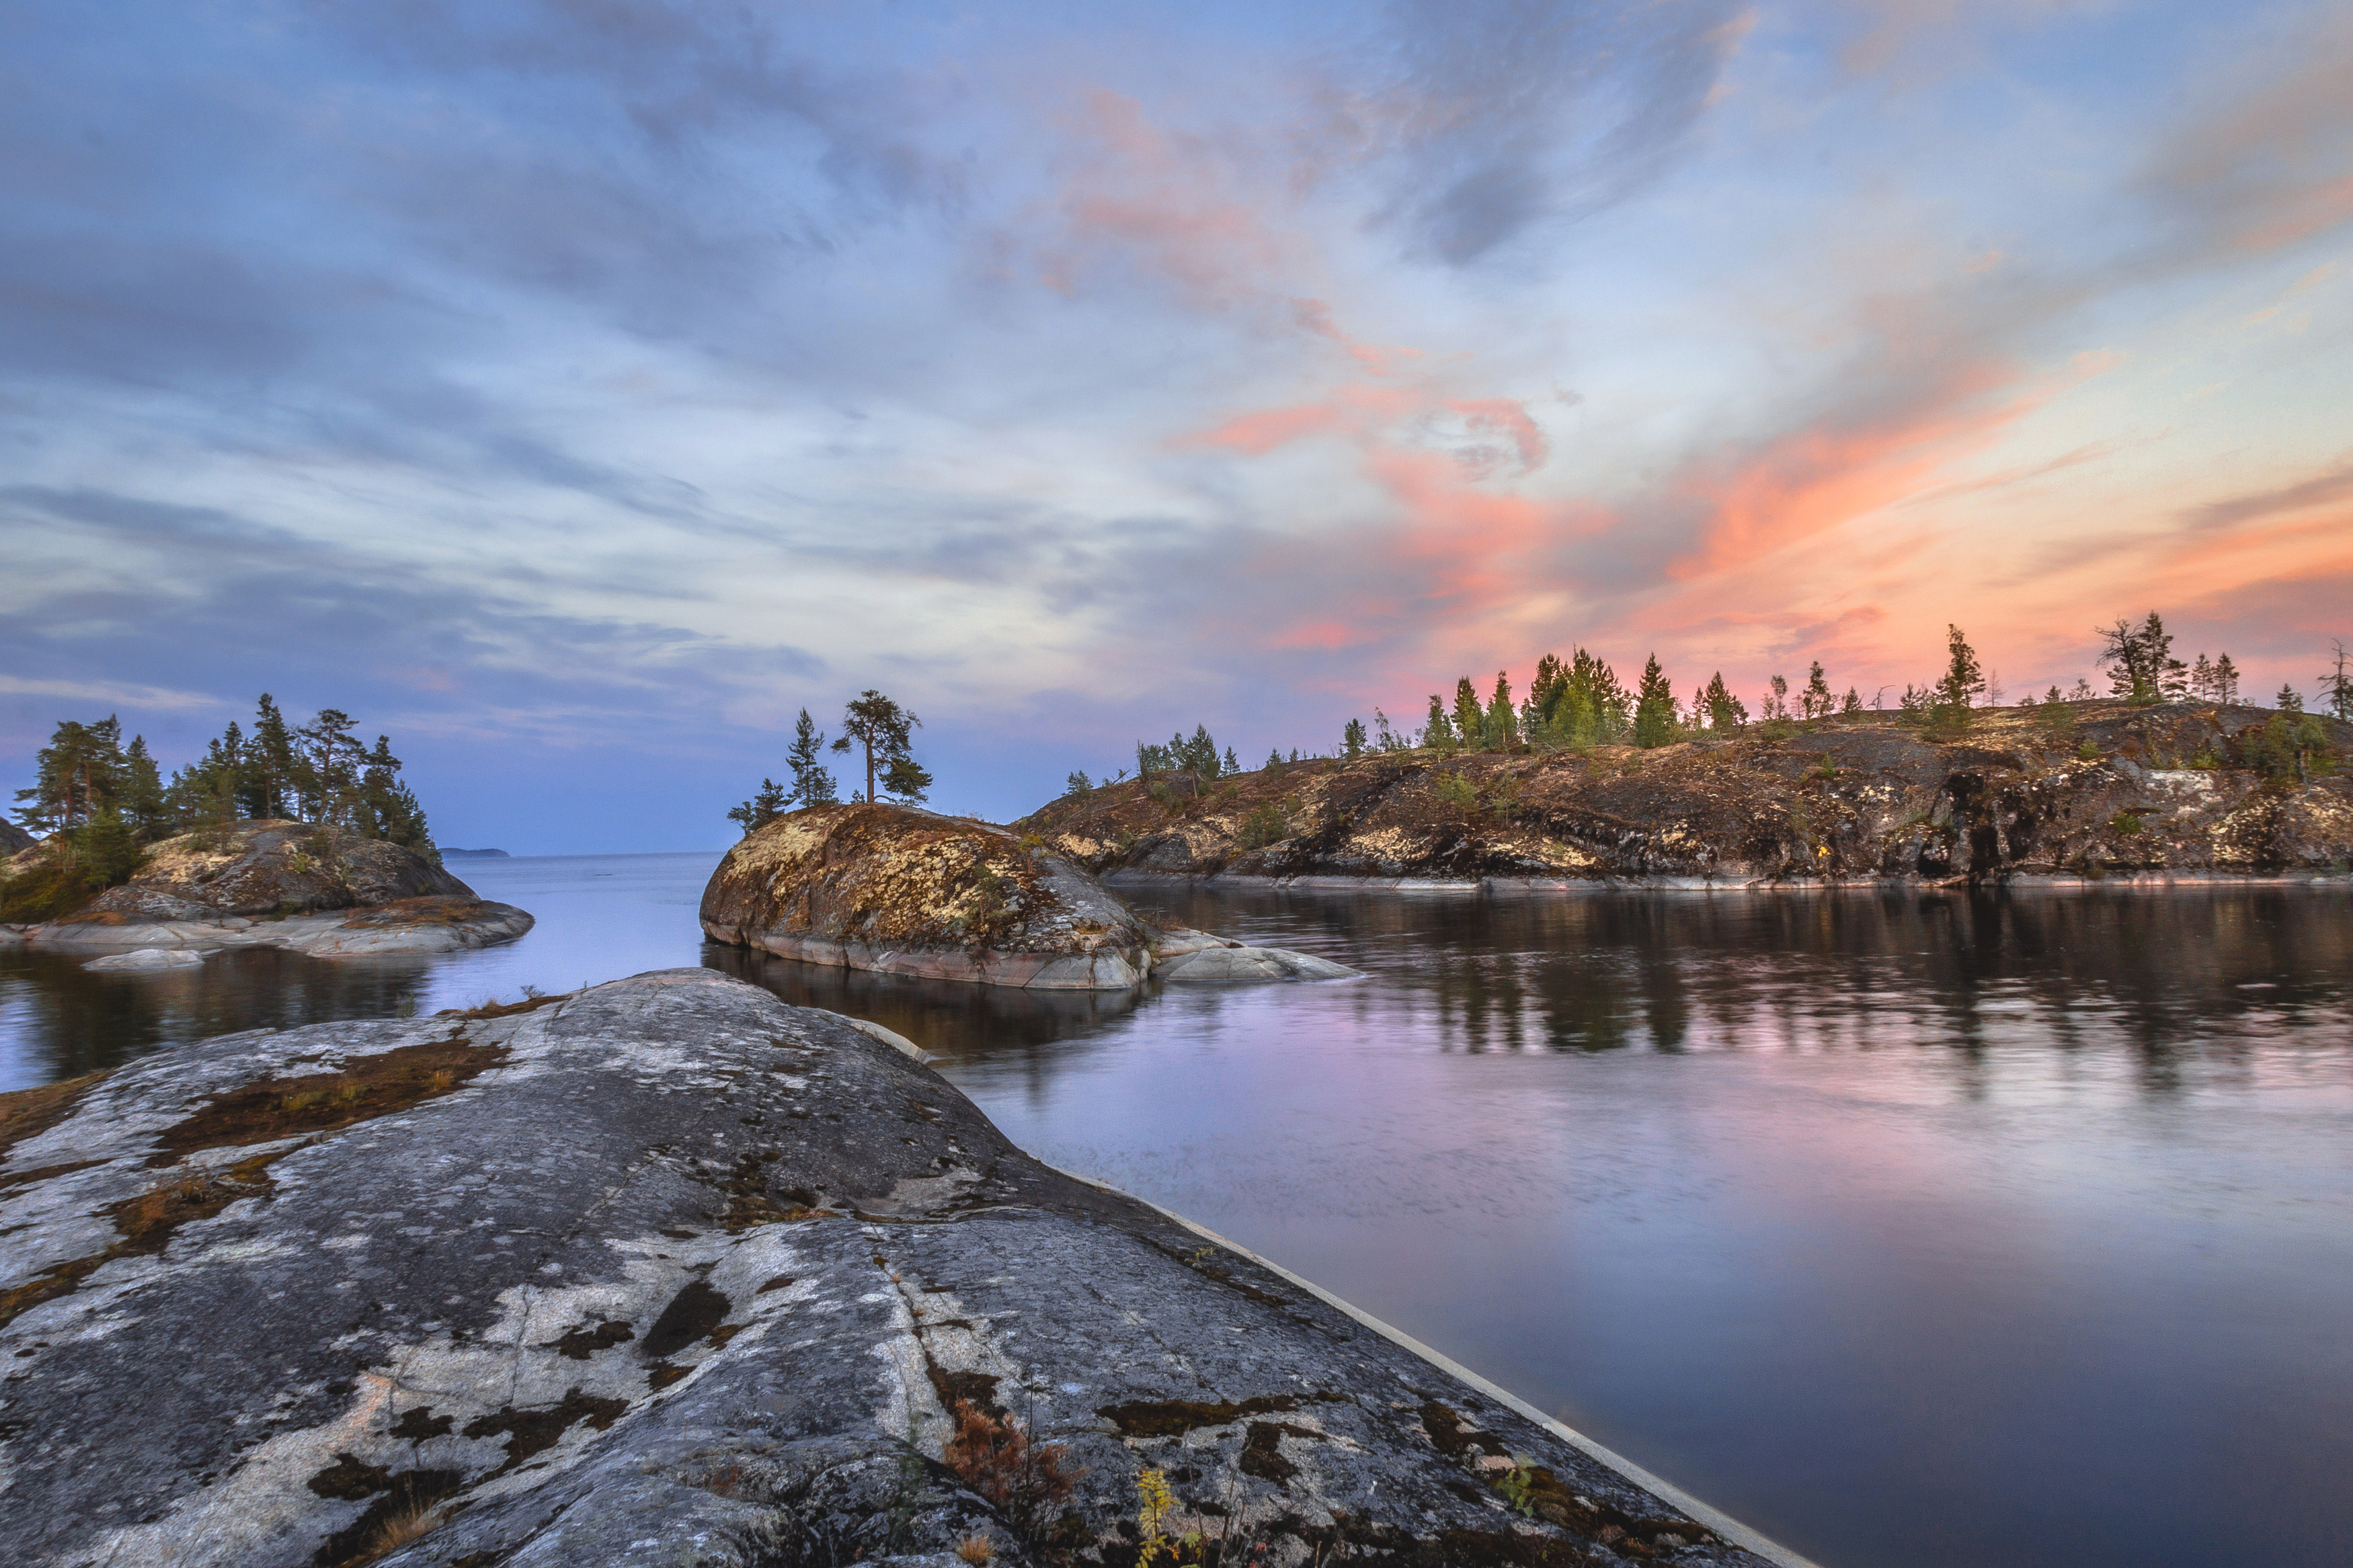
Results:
1910 1228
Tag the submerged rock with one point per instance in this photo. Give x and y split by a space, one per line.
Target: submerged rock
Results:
670 1272
150 958
318 890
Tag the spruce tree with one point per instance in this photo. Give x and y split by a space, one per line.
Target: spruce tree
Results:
2226 679
142 803
2289 699
813 783
76 777
1502 724
1777 700
1233 765
1274 757
760 810
1654 707
335 757
1853 704
1470 716
1725 711
1438 730
1352 738
273 774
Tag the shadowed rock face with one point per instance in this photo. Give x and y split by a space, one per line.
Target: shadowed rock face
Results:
319 890
671 1272
2100 790
903 891
14 839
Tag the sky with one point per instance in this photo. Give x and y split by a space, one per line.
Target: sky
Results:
575 389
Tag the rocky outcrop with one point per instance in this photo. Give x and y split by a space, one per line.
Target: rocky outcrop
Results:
317 890
900 891
13 838
670 1272
2087 791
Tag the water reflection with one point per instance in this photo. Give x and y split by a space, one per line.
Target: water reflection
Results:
1916 1228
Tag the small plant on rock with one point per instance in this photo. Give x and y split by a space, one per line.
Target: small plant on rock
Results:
1025 1482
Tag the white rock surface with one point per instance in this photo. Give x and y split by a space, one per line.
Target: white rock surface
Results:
150 958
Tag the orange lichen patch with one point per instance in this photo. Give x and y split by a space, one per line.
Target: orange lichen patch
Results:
146 1224
29 1112
369 1087
504 1009
436 909
882 875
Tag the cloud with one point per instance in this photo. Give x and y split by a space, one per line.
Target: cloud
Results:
1504 115
2267 161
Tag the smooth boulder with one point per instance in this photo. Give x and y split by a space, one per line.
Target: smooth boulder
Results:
902 891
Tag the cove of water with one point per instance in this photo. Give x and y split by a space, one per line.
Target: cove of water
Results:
1910 1228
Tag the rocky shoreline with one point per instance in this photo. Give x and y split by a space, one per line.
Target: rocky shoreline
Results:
900 891
668 1271
2076 793
319 892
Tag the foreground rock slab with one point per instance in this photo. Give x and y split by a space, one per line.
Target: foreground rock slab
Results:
669 1272
316 890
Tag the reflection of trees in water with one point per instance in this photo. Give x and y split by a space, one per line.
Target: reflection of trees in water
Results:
2221 969
78 1022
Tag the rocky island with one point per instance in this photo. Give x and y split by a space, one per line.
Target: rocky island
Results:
670 1272
2064 793
903 891
319 890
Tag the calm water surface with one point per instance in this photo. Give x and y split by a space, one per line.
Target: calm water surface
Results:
1910 1228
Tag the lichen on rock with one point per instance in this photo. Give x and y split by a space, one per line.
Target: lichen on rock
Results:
322 890
669 1271
904 891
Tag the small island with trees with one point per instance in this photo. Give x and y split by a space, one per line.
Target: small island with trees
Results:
293 837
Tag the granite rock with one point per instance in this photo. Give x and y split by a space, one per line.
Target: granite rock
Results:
669 1272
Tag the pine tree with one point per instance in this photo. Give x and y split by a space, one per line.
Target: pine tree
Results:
905 780
2142 667
1352 738
1078 784
1470 716
1233 765
2226 679
1853 702
765 806
335 757
1963 679
1654 707
2202 679
77 776
385 807
884 728
1274 755
2289 699
1816 698
813 783
1777 700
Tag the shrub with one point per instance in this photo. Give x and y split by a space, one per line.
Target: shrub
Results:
1454 790
2126 823
1025 1482
1267 824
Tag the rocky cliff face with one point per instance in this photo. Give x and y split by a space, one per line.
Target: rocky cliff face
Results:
2096 790
283 884
667 1272
888 887
14 839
